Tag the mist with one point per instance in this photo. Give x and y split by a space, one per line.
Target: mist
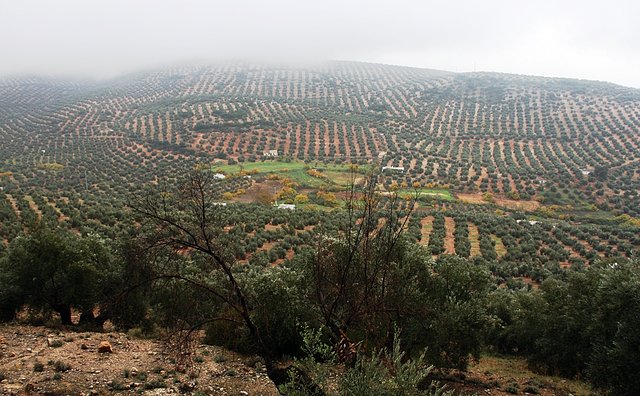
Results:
576 39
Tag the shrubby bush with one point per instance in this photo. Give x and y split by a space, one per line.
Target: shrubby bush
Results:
584 325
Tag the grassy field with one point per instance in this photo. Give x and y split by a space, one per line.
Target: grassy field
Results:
439 193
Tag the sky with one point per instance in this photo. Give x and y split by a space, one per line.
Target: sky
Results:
588 39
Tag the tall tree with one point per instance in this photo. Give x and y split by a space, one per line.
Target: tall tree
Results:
54 269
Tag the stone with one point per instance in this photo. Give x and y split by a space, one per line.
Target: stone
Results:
105 347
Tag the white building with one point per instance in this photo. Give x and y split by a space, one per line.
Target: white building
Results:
270 153
393 168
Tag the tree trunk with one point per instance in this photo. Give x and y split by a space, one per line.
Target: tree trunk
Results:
86 318
65 314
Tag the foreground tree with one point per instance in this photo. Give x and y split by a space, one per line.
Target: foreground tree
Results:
51 268
183 231
370 280
357 278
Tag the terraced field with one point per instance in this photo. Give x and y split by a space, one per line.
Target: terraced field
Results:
481 151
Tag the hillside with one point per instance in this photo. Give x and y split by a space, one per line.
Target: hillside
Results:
562 151
45 361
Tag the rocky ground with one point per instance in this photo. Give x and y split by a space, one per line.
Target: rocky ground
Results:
44 361
41 361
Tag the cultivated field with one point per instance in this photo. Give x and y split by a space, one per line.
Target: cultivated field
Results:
539 174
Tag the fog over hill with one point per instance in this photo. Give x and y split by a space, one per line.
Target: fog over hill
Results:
582 39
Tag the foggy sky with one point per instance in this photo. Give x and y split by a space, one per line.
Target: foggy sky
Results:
586 39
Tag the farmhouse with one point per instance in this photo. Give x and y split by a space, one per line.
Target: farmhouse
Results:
287 206
270 153
393 168
531 222
219 176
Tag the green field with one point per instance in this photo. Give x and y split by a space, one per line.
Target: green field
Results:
332 174
436 193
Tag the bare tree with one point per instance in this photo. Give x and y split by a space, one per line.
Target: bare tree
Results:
353 274
186 224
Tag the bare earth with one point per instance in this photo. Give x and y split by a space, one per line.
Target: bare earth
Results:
219 372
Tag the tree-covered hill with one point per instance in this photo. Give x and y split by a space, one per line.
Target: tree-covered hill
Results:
568 149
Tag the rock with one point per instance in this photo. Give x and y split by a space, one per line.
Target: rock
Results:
105 347
84 346
50 342
244 393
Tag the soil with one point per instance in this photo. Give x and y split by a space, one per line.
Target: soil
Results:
33 360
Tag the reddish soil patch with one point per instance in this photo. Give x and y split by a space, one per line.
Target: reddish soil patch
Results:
449 239
260 192
426 229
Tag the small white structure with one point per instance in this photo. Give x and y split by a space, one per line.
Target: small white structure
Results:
531 222
270 153
585 172
287 206
219 176
393 168
219 204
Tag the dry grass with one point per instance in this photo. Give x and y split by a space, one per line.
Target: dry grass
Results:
501 250
507 370
474 240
